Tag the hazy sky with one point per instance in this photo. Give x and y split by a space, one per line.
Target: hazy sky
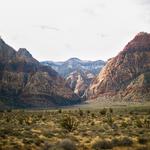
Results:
60 29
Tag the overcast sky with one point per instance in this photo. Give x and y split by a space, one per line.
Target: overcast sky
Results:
60 29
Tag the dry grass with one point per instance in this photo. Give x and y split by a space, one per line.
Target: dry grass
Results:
83 129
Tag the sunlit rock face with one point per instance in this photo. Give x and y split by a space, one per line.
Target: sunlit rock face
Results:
127 74
79 81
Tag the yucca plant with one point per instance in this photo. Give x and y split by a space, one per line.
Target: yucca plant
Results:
69 123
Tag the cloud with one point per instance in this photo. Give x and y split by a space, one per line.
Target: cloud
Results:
89 11
144 2
46 27
68 46
101 35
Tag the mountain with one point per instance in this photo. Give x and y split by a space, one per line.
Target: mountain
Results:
24 82
77 73
79 81
126 76
73 64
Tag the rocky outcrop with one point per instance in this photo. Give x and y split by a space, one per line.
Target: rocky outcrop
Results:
125 74
24 82
79 81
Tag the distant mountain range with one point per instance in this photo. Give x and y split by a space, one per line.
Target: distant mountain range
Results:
77 73
66 67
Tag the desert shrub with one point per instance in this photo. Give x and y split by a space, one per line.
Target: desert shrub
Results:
124 124
2 111
88 112
143 140
67 144
110 110
69 123
92 123
28 120
125 141
60 111
92 115
28 141
49 146
109 119
147 122
9 110
6 132
38 141
131 112
144 123
48 133
139 123
103 111
8 119
80 112
102 144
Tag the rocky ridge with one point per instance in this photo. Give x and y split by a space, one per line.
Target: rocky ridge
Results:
24 82
126 75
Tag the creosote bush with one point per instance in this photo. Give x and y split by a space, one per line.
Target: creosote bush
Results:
80 112
103 111
102 144
110 110
147 122
59 111
67 144
125 141
143 140
69 123
139 123
109 119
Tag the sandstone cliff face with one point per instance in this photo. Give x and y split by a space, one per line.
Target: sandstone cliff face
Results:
118 76
138 89
25 82
79 81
